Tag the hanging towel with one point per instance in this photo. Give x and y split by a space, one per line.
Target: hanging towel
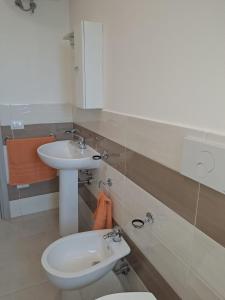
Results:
25 166
103 213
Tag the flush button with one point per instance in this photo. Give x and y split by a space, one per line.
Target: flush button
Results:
204 161
205 165
201 170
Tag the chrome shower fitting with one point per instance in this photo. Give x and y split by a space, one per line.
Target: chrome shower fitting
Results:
32 7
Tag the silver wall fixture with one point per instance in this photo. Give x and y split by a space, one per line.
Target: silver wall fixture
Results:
105 186
30 7
69 37
138 223
106 183
85 177
122 267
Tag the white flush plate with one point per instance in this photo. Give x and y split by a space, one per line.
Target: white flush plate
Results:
204 162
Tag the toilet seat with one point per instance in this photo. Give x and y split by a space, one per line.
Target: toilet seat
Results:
129 296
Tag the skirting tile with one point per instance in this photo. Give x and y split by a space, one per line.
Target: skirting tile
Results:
33 205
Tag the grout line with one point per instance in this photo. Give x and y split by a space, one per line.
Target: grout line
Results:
15 291
197 204
190 267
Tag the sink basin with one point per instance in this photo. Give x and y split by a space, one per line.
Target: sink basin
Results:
68 155
80 259
68 158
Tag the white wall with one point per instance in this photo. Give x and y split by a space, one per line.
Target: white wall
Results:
164 60
34 60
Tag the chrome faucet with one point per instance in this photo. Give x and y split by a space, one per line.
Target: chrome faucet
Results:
82 142
116 234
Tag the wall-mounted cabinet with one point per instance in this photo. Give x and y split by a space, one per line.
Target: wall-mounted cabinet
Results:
88 68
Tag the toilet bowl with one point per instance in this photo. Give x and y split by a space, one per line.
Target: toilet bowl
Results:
79 259
129 296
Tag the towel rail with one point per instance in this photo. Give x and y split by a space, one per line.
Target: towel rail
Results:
11 138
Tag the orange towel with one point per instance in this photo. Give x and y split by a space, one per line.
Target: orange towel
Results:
103 213
25 166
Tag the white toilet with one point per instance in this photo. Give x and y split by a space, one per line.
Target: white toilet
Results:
129 296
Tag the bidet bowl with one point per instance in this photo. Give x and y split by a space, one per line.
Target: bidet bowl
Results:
79 259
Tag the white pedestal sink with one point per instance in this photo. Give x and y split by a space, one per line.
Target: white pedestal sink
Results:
68 158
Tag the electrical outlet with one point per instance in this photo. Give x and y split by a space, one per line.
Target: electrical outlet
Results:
17 124
23 186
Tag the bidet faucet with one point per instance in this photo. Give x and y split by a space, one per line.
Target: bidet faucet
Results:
116 234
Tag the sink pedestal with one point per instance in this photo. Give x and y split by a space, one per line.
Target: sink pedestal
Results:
68 202
68 158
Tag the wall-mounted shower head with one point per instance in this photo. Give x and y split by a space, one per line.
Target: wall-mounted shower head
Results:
32 5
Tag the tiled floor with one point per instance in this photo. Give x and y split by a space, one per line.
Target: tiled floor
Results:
22 242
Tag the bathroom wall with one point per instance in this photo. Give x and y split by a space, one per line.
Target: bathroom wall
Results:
183 249
39 120
34 59
163 59
35 86
163 74
36 196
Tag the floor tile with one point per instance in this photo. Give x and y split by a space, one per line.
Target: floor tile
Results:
21 274
109 284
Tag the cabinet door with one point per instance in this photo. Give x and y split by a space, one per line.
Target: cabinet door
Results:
89 66
79 67
93 59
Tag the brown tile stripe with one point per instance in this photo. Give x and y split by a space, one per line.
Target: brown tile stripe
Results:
13 193
176 191
117 153
145 270
36 130
173 189
6 132
211 214
88 197
35 189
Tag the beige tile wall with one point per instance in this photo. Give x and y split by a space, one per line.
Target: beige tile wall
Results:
159 141
191 261
149 275
35 113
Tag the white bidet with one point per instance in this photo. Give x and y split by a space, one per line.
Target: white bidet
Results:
79 259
